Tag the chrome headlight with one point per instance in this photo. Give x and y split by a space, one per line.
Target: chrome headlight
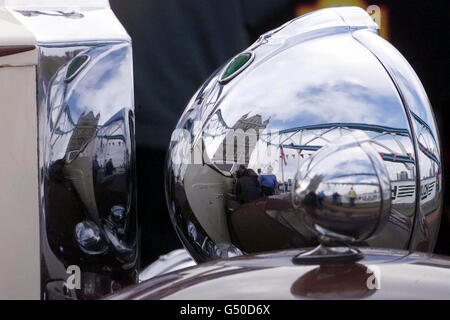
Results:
319 113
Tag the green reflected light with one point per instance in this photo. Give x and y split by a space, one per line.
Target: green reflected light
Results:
236 64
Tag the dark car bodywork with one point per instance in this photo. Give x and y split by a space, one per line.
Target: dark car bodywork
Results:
382 274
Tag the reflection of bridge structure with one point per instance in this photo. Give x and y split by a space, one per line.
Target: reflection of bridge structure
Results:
65 125
313 137
422 134
113 129
364 183
286 138
87 129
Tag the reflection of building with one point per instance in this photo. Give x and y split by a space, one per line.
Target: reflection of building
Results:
84 131
111 141
241 140
432 170
254 122
403 175
315 182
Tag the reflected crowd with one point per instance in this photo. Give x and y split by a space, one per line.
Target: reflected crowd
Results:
249 185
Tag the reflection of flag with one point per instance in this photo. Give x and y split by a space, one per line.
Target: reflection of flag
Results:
282 156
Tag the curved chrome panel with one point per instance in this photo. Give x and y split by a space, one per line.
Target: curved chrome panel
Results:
86 140
426 138
310 83
330 185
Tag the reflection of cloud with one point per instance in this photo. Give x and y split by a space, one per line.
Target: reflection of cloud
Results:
361 179
330 79
352 165
355 103
106 84
344 162
318 81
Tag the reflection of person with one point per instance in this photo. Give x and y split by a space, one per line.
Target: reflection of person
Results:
95 168
336 199
252 174
320 197
352 197
268 182
310 199
247 187
109 167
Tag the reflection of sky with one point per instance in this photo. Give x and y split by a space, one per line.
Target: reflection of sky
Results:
338 102
343 169
360 179
343 162
104 85
411 89
317 82
407 80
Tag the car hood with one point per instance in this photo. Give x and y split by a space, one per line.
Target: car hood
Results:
382 274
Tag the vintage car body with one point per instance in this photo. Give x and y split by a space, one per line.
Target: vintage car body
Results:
67 118
382 274
68 207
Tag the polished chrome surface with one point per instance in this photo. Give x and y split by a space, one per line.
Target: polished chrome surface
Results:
329 253
349 166
426 138
80 147
310 85
87 156
68 21
87 176
327 186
